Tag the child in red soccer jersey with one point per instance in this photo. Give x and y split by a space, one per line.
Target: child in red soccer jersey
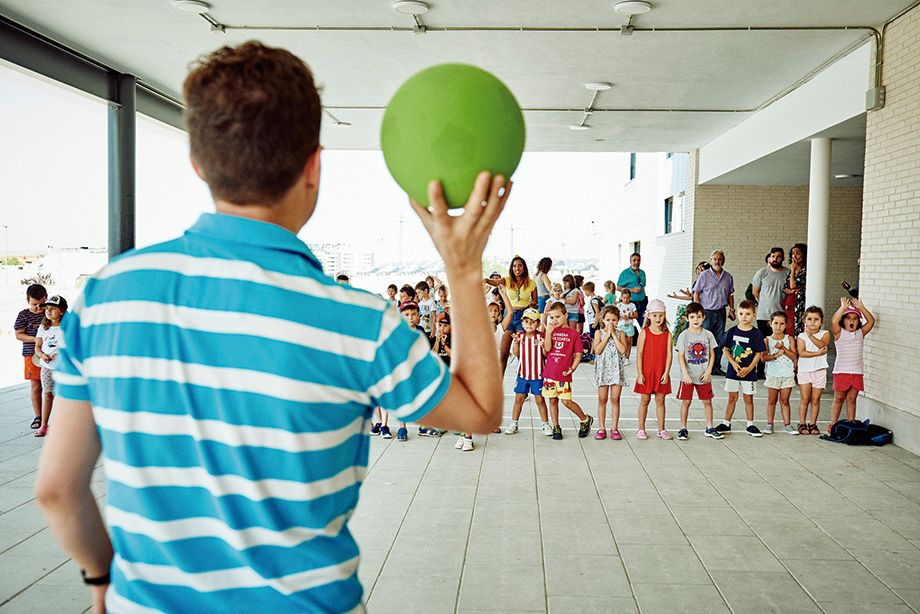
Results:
528 349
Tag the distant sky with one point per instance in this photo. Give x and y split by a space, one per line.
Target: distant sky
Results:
53 190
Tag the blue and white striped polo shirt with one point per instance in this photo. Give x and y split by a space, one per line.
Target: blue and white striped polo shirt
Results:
231 382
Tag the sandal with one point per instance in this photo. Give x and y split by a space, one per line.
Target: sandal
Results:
36 423
803 429
813 429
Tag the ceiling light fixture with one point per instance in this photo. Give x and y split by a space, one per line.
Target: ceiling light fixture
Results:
598 86
191 6
410 7
578 127
632 7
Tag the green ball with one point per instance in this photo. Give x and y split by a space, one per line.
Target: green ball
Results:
451 122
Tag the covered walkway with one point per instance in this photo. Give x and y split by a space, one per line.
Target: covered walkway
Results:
526 524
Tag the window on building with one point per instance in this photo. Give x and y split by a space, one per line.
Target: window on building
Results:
679 214
637 247
668 214
632 166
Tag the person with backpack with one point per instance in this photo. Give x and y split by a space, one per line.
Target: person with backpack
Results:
849 332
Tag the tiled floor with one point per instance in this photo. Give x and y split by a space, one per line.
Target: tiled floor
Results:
526 524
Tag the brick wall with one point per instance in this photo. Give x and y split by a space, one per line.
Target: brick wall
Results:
746 221
890 239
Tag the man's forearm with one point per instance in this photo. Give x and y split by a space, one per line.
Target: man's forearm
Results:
75 520
475 357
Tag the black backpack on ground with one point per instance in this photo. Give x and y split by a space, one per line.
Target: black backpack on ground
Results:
856 433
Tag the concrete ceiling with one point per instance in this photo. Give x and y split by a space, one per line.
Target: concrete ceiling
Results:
790 165
728 73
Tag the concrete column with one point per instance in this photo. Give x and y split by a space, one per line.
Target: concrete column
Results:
819 197
122 160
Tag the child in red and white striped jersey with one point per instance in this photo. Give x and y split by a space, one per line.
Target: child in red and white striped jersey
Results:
528 348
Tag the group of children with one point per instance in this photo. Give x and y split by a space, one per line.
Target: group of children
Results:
549 349
38 327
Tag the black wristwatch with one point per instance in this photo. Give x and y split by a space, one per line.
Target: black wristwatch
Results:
100 581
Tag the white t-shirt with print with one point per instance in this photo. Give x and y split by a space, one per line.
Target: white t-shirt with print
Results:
52 340
426 308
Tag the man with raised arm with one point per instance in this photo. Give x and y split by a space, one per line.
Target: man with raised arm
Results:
227 382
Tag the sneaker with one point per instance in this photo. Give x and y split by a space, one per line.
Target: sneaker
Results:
467 444
557 433
41 432
641 434
665 435
790 430
683 435
600 434
511 429
547 429
715 434
375 430
459 443
753 431
385 432
585 427
433 432
768 429
422 431
402 434
724 428
615 435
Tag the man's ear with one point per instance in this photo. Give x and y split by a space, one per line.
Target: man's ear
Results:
197 169
311 170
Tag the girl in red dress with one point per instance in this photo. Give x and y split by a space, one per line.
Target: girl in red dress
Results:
653 364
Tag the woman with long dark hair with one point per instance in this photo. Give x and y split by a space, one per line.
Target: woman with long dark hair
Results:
522 292
544 283
794 301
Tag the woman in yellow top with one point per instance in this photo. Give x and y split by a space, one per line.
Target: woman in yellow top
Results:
522 292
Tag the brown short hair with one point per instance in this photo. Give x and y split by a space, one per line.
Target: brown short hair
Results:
747 305
557 306
253 117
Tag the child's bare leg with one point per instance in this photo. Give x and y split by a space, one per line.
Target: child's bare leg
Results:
615 404
730 406
815 404
46 408
554 411
603 393
685 413
707 410
839 397
575 408
851 403
643 409
749 407
518 406
36 390
784 395
385 417
659 410
804 401
541 407
628 347
772 397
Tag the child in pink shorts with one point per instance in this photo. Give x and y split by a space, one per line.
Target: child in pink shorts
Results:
811 346
849 332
